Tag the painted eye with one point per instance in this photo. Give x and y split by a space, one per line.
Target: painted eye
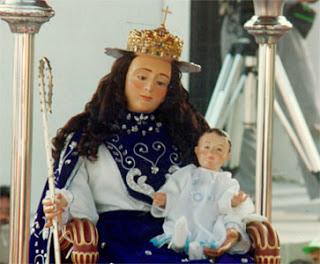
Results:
162 84
141 77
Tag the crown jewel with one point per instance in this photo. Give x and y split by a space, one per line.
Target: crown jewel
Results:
158 42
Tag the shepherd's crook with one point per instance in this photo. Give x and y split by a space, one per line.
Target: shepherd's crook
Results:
46 107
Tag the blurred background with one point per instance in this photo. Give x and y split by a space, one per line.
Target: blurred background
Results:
74 41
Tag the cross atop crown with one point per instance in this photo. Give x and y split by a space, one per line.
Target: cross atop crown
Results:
166 12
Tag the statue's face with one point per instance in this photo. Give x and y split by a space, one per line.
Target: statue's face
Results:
147 83
212 151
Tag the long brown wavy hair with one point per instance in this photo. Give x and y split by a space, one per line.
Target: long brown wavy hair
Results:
108 105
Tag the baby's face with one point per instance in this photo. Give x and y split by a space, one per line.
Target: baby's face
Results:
212 151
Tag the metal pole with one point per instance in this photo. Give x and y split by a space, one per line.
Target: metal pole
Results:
267 26
25 19
21 149
264 130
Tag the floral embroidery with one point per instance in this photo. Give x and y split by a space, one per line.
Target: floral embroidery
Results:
144 154
140 123
140 185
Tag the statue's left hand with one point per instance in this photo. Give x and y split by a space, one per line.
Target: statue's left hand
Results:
232 238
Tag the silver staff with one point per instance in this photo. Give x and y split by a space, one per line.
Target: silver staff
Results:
46 108
267 26
25 18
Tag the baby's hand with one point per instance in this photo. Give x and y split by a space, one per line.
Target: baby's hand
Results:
238 198
232 238
160 199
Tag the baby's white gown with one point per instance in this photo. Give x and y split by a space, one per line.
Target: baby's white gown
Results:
203 198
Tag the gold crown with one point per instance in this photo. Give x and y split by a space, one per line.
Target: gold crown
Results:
157 42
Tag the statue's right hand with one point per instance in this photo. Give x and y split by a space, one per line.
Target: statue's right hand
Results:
54 209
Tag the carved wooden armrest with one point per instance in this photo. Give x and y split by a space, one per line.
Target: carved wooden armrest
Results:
265 242
80 238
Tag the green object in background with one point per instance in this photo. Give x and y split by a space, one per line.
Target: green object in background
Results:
301 16
305 13
312 246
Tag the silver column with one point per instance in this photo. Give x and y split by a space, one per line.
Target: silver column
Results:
25 19
267 26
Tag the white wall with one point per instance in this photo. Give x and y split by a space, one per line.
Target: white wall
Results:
313 43
74 41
